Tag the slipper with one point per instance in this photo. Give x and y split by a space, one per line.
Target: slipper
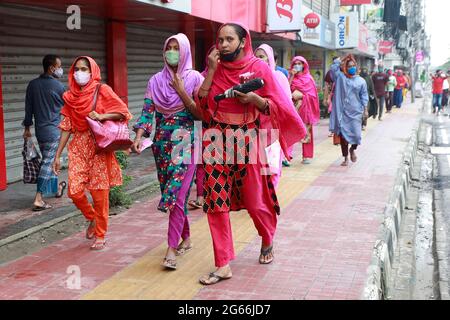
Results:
98 245
265 253
42 208
194 204
182 250
63 187
213 279
169 263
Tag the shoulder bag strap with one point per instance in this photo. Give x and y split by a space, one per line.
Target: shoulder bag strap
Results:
94 104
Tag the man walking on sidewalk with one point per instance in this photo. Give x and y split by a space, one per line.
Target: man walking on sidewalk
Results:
380 80
44 102
438 90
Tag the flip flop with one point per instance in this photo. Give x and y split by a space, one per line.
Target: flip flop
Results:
194 204
169 263
42 208
265 253
182 250
63 185
214 277
96 246
90 231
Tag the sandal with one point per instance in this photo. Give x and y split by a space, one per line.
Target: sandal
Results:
213 279
182 250
194 204
43 207
98 245
63 187
169 263
90 232
265 253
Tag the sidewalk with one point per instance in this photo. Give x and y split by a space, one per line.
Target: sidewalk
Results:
328 226
17 218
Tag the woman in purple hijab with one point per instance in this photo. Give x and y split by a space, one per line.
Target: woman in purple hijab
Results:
169 99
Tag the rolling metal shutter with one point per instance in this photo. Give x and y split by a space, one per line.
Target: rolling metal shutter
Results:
144 59
27 34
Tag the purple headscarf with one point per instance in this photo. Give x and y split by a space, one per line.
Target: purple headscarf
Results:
159 88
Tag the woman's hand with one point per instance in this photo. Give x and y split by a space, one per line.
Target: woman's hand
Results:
137 145
213 59
245 98
292 72
96 116
297 95
56 166
178 83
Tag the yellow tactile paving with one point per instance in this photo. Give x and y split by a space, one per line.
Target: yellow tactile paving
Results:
145 279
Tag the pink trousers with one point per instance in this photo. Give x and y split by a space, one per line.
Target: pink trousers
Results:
308 148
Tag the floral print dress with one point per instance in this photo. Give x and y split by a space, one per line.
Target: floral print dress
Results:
172 148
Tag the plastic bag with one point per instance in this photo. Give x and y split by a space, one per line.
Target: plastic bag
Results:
30 150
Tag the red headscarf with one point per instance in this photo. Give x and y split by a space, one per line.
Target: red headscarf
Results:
304 82
344 63
78 103
283 114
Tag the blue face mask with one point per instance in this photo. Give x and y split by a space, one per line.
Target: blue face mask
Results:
352 71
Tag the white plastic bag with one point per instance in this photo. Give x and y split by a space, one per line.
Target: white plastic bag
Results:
273 154
30 152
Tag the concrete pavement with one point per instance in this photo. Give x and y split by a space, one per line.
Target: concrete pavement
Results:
328 226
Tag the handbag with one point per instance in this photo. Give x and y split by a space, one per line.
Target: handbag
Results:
31 162
109 135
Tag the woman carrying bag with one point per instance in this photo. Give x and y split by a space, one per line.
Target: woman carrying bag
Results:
89 169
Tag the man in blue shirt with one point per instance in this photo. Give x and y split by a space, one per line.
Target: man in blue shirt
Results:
43 102
286 73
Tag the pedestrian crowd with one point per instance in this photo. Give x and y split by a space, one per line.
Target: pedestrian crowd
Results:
229 171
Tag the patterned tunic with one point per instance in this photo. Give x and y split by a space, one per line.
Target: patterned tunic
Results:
174 138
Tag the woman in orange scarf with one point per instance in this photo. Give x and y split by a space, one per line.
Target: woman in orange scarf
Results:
89 170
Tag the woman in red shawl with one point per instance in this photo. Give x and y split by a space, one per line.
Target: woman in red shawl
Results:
88 170
304 93
231 186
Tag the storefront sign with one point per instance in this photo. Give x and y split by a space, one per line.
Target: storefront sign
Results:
354 2
312 20
385 47
347 29
178 5
284 15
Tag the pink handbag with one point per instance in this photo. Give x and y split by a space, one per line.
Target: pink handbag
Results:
109 135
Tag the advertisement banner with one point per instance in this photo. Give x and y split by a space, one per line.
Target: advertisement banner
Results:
385 47
347 29
284 15
354 2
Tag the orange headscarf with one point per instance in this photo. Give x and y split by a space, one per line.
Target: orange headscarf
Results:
78 103
344 63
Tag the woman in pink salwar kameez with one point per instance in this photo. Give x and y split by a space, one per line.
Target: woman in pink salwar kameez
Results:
233 185
304 93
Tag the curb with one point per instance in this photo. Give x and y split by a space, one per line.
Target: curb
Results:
55 221
378 272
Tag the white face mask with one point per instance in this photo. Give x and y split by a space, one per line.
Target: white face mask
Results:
82 78
58 73
298 68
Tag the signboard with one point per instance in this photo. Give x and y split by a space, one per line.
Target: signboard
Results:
178 5
284 15
419 56
363 44
347 29
354 2
312 20
385 47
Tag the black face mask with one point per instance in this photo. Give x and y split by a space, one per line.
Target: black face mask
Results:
231 56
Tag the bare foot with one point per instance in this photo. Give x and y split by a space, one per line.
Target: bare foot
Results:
266 255
344 163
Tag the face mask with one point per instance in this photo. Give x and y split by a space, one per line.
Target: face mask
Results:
82 78
58 73
352 71
337 60
172 57
443 75
298 68
231 56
